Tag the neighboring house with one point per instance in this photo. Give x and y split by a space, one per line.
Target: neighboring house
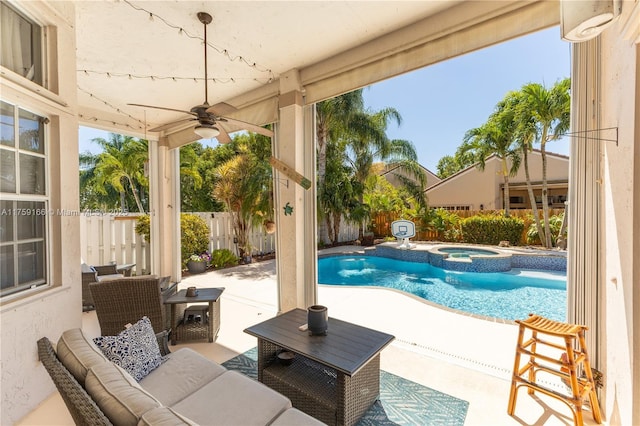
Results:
475 189
390 174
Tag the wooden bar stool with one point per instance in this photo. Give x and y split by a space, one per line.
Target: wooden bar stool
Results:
566 366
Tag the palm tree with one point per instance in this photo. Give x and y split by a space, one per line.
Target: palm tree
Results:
550 110
338 191
363 148
194 196
89 198
189 156
335 118
525 134
449 165
495 137
244 185
121 166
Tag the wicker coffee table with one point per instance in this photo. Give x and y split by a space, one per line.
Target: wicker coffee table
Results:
334 378
207 328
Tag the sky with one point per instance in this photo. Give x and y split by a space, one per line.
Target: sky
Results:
439 103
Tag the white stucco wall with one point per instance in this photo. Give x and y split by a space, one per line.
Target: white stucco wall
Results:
24 381
621 108
472 187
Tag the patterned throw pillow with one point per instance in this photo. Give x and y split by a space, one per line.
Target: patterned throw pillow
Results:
135 349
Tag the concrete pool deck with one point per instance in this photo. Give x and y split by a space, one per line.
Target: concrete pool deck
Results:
461 355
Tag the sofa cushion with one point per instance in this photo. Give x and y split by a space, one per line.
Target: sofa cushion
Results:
78 353
164 416
295 417
233 399
118 395
186 370
135 349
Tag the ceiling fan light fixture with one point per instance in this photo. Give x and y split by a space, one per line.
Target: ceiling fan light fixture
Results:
206 131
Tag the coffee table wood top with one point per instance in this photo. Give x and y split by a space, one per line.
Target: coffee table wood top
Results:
347 347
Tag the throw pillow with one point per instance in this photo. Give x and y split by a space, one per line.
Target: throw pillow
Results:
135 349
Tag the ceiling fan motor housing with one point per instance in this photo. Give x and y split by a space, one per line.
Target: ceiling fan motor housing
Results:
204 117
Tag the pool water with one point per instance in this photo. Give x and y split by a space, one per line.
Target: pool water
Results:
508 295
466 252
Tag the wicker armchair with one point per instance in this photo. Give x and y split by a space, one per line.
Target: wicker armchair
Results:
111 269
91 274
122 301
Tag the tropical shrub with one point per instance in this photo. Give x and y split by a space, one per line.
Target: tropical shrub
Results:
143 226
244 184
193 229
223 258
555 223
195 236
492 229
445 223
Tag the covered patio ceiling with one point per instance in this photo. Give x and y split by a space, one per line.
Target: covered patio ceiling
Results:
151 52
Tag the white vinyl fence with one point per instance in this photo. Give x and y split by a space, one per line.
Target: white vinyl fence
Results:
112 238
221 235
107 238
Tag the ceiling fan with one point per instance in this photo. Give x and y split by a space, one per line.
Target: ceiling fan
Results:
208 116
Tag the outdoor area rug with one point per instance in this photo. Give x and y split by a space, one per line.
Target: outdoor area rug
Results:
402 402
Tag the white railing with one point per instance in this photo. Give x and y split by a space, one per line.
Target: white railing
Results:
112 238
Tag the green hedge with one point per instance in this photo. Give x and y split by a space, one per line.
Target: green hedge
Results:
491 230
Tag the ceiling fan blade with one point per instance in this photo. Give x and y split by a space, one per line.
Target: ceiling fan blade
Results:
248 126
182 137
221 108
164 108
223 137
170 125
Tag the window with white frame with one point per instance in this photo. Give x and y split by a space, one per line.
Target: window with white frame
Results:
24 202
21 44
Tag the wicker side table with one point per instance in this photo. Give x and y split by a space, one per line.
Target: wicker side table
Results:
200 330
207 328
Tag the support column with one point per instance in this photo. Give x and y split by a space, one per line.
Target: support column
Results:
296 248
584 274
164 184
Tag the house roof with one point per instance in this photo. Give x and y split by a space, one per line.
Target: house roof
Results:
428 172
492 157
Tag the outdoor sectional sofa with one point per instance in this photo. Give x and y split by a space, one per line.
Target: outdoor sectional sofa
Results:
186 389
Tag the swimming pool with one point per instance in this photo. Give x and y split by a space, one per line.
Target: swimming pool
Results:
508 295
